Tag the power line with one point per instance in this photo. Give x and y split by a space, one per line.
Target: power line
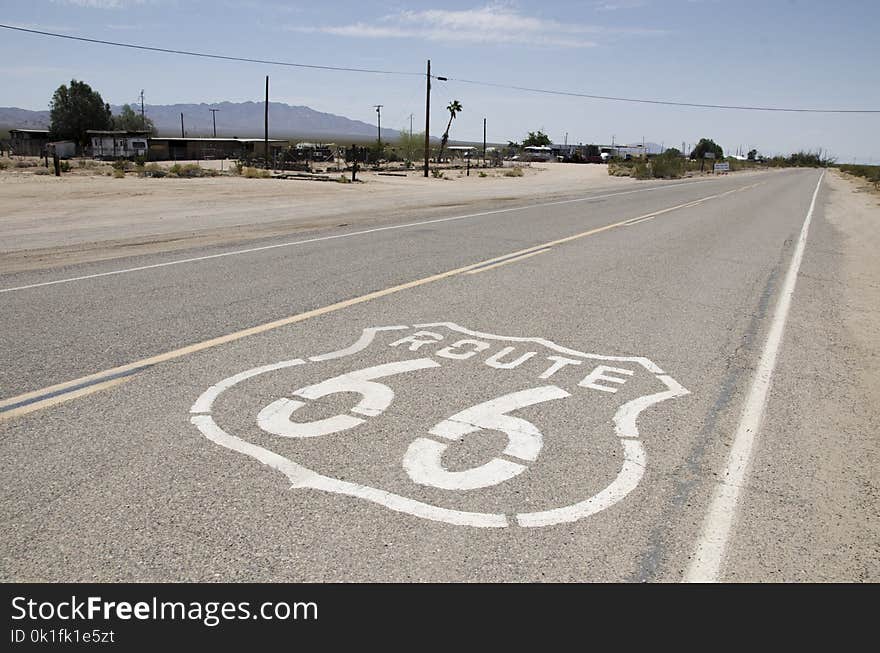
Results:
663 102
207 55
451 79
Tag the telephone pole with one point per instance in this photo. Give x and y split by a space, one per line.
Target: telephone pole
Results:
182 134
214 119
428 115
143 116
266 130
379 124
484 141
409 147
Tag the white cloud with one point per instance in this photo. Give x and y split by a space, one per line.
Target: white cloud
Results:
494 23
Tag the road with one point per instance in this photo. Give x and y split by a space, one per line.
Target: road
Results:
549 391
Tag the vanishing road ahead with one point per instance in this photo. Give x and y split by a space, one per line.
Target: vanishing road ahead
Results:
656 384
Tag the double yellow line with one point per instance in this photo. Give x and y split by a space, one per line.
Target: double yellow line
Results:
61 392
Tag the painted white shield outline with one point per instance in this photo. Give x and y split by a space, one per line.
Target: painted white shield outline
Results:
625 428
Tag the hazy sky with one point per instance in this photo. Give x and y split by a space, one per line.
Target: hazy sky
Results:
794 53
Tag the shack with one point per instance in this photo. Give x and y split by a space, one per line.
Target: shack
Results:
28 142
117 144
163 148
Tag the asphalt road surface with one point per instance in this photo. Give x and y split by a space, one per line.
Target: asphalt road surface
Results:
650 385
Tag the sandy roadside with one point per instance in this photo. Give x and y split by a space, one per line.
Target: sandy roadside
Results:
47 221
846 474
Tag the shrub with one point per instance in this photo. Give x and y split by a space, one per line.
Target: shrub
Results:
667 167
120 164
515 171
192 170
26 163
65 166
118 173
483 174
154 170
437 174
42 171
619 170
256 173
343 179
641 171
871 173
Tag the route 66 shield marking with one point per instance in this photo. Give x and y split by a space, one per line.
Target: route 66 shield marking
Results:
530 389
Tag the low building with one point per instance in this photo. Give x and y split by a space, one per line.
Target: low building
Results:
117 144
461 151
64 149
163 148
28 142
537 153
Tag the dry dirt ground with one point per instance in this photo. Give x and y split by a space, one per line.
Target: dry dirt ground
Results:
87 216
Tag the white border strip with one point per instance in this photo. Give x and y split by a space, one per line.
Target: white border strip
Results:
711 547
363 232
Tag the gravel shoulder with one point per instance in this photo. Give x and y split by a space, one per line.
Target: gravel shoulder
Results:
811 511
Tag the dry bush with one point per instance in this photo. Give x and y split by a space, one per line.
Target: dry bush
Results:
515 171
256 173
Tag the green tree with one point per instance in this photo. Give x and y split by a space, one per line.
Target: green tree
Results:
671 152
75 109
129 120
752 155
707 145
454 109
411 148
537 139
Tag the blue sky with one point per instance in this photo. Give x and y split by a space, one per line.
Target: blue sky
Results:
796 53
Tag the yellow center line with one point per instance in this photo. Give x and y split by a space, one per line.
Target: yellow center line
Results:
512 260
60 396
51 401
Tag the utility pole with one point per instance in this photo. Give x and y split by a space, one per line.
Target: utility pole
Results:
379 124
214 119
266 130
143 116
410 144
182 134
484 141
428 115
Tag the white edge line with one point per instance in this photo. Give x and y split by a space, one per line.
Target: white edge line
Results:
711 547
335 236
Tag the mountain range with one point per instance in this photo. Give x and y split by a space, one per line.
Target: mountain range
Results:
240 119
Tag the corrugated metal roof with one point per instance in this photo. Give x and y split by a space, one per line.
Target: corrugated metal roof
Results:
109 132
203 139
30 131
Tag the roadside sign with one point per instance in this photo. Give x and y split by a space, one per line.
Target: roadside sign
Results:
722 167
709 155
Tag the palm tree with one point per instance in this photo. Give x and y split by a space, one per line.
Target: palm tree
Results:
453 108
